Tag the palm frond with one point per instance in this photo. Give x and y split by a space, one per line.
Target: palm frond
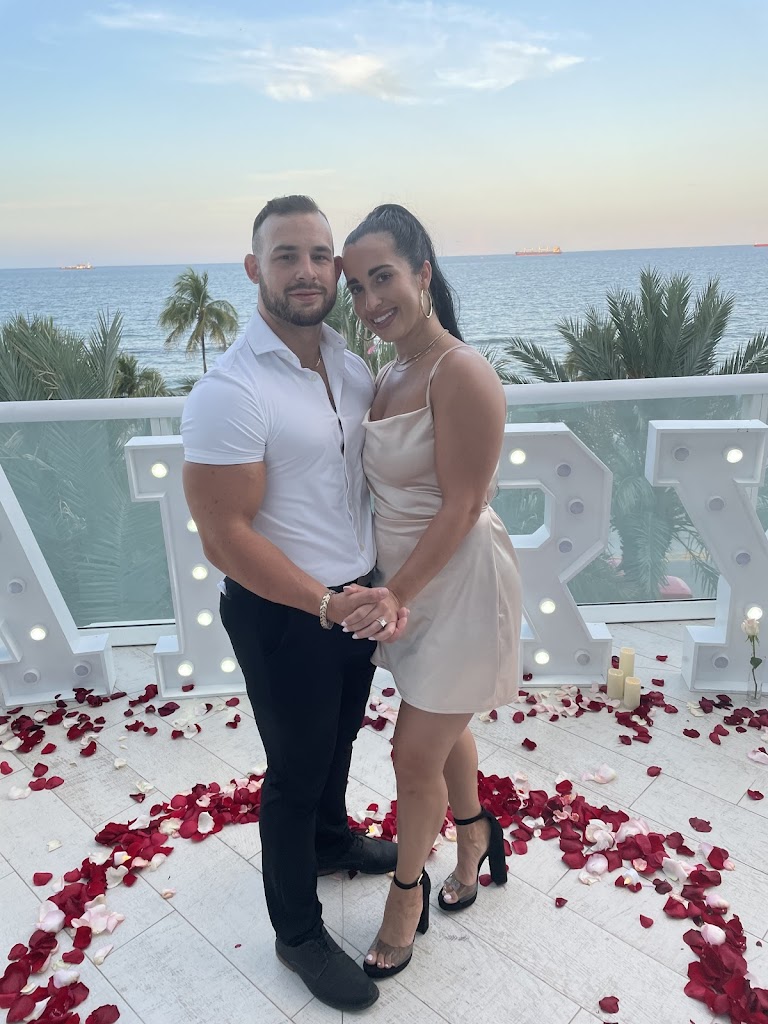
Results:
541 363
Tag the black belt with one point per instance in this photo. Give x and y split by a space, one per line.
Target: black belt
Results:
361 581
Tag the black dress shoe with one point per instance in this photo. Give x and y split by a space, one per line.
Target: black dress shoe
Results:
371 856
330 975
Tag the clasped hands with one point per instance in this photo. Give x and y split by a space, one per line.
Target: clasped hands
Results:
361 610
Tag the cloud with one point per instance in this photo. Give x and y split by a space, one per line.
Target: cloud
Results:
447 49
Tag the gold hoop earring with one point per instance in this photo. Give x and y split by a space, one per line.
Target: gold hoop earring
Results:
421 303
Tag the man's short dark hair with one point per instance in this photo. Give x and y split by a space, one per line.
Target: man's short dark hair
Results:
282 206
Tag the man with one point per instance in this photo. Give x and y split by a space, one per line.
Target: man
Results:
273 476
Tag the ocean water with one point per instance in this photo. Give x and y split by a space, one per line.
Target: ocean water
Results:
500 296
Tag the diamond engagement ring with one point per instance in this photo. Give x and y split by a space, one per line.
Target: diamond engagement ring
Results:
383 623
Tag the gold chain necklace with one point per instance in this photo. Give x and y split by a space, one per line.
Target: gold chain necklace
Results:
401 364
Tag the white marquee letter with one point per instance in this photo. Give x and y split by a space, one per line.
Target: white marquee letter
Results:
557 644
711 464
42 656
200 652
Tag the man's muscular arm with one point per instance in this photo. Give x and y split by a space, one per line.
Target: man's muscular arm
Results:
223 501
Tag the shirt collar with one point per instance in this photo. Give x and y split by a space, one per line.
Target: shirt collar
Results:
262 339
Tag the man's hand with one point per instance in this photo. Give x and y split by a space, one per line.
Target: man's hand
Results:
364 621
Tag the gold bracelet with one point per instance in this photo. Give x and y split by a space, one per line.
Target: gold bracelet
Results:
324 610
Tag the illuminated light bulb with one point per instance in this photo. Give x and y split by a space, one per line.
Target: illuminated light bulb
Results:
38 633
734 455
547 606
192 526
541 657
186 668
200 572
755 612
159 470
517 457
228 665
204 618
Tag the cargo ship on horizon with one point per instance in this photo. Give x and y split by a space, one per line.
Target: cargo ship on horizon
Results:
555 250
78 266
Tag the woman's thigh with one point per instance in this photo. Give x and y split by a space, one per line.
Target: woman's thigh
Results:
423 739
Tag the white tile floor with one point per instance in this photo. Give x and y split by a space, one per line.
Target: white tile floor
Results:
207 954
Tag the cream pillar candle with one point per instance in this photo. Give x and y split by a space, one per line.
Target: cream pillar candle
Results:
627 661
615 684
632 692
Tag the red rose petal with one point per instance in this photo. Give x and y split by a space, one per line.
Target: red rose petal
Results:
177 734
754 794
527 677
692 733
528 744
48 749
674 908
661 657
82 939
89 750
609 1004
388 692
518 717
53 782
657 682
232 702
37 784
646 922
5 768
42 877
168 709
20 1008
107 1014
626 740
653 771
700 825
73 956
484 879
40 770
560 901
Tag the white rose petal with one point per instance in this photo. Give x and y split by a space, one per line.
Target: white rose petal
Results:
65 976
99 856
715 902
204 823
40 716
141 822
101 955
168 893
170 826
144 787
49 918
121 857
54 844
712 935
16 793
597 864
156 861
115 876
120 762
13 743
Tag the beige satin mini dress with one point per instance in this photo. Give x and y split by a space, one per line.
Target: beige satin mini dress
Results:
460 652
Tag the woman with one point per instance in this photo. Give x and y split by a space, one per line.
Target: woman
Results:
433 440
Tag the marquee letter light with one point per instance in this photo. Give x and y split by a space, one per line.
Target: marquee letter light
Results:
42 655
558 646
200 652
711 465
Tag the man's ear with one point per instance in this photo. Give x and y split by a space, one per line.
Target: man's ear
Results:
338 265
251 265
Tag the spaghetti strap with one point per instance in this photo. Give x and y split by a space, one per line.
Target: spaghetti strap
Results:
437 363
380 376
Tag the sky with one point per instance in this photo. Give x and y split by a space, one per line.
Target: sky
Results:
153 132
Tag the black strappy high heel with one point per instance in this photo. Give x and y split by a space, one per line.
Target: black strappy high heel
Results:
467 894
400 955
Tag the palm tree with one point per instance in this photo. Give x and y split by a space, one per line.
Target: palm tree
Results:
191 309
663 331
104 550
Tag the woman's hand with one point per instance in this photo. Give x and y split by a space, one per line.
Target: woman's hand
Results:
383 621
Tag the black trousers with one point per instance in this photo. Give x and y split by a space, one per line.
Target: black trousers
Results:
308 687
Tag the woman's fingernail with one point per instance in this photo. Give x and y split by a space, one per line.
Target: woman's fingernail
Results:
344 629
355 636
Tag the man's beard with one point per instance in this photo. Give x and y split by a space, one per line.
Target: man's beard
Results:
280 306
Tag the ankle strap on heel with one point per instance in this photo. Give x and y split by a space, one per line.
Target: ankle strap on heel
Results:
409 885
470 821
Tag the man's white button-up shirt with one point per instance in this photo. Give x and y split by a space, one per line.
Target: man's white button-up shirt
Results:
257 404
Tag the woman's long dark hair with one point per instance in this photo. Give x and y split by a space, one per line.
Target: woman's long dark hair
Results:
414 244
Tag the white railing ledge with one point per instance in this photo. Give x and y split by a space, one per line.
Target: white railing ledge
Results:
70 411
567 392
